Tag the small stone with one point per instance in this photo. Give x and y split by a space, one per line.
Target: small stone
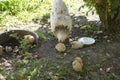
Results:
78 20
1 50
108 41
76 25
8 49
105 37
16 49
84 27
70 40
40 26
48 20
101 69
50 73
71 14
36 56
77 15
6 64
99 32
65 54
44 26
108 69
2 77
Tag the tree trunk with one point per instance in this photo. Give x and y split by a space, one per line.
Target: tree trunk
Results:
109 16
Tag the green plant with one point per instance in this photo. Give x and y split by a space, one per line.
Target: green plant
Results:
108 11
24 46
15 6
90 28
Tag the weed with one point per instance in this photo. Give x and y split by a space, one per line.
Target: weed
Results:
41 35
90 28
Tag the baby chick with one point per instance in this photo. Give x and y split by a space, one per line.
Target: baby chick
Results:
54 78
77 64
60 47
76 44
30 38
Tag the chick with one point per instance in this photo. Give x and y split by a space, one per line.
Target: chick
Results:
77 64
61 22
60 47
54 78
77 45
30 38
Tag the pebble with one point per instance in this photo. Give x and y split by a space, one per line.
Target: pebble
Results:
99 32
76 25
65 54
1 50
8 49
2 77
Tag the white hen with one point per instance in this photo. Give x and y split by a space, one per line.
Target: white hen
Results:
61 23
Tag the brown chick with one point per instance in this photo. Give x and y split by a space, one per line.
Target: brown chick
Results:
60 47
77 64
30 38
54 78
77 45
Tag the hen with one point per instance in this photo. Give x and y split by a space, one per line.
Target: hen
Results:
61 23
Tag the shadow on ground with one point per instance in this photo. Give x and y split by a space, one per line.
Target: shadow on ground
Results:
101 60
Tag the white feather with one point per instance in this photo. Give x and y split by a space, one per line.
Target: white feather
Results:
60 18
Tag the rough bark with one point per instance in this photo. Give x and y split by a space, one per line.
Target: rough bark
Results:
109 16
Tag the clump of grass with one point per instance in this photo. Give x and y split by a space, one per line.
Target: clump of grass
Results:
23 9
15 6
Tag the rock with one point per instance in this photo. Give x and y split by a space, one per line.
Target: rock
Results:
60 47
76 25
2 77
7 64
85 27
105 37
8 49
1 50
16 49
70 40
65 54
41 26
99 32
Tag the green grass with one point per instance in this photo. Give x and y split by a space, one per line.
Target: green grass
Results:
23 10
26 10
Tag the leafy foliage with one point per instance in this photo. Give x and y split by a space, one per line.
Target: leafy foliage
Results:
109 12
15 6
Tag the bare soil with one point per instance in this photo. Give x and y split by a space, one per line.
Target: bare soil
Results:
101 60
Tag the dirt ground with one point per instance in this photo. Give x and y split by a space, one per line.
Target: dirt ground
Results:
101 61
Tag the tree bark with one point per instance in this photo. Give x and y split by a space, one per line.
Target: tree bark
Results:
109 16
